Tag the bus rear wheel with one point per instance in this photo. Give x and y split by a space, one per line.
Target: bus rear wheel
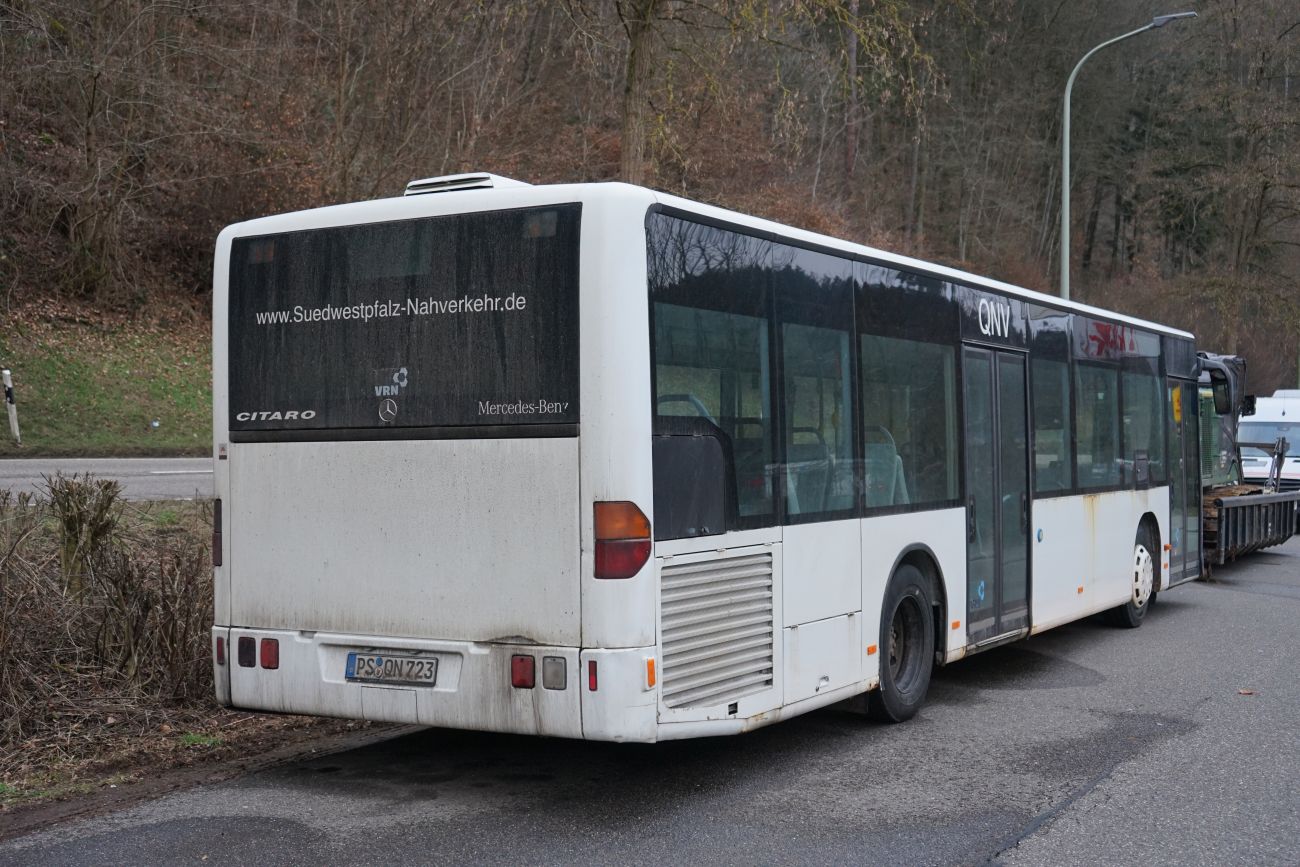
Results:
906 647
1142 587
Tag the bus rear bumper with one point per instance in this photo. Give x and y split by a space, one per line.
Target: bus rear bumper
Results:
472 689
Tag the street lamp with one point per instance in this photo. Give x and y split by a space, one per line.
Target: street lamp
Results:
1158 21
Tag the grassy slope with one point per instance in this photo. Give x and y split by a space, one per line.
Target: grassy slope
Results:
89 384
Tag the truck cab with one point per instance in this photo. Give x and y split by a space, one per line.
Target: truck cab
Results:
1276 418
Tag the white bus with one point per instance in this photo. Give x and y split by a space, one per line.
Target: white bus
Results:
593 461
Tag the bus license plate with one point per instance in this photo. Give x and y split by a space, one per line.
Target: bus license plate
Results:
387 668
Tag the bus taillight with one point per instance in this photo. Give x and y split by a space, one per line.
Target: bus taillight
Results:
523 671
270 652
622 539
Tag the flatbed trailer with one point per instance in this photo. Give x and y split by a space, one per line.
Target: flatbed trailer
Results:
1238 522
1237 517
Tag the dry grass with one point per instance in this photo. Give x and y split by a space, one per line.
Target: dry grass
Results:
104 661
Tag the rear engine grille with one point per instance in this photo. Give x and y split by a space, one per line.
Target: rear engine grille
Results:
717 630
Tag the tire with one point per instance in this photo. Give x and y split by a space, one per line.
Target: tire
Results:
906 647
1142 591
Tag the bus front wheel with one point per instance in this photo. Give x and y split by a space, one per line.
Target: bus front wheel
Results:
906 647
1142 587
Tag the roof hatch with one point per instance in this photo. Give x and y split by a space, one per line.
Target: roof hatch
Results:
471 181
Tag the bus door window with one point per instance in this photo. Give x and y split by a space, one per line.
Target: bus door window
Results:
981 492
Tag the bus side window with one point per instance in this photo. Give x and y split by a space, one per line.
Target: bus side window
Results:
1097 419
711 376
909 406
1144 421
1053 467
818 420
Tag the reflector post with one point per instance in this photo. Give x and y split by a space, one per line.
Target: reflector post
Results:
622 539
270 653
523 671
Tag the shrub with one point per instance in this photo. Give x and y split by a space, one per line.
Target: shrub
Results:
103 612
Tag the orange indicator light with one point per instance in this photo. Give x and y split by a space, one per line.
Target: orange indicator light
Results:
871 650
1080 589
650 672
622 539
956 624
621 520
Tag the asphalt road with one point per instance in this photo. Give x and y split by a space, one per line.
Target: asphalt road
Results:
1177 743
141 478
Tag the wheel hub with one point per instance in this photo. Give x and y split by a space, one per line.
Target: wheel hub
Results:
904 630
1144 575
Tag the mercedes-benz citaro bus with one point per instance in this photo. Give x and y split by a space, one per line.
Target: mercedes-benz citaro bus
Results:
594 461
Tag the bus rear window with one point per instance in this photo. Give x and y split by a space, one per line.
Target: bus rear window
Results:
440 323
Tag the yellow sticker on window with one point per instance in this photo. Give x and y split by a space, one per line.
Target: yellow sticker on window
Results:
1176 397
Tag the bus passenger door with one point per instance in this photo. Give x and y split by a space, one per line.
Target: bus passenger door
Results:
997 494
1184 483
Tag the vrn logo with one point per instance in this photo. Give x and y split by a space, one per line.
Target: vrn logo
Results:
995 319
393 390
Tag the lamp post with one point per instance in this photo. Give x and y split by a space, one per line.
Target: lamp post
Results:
1158 21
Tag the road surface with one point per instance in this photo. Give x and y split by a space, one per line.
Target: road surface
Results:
1176 743
141 478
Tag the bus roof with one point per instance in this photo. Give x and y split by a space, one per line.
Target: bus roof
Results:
908 263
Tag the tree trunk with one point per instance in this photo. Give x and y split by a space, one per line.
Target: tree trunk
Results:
638 21
851 118
1090 227
910 217
1116 228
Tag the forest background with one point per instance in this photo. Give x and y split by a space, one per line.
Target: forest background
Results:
131 131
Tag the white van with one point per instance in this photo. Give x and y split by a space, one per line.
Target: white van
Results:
1276 416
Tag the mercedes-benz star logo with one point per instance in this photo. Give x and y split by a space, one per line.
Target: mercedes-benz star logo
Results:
387 410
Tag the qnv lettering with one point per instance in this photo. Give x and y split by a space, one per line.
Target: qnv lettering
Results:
994 318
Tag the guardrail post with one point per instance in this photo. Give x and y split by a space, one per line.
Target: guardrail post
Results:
11 406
